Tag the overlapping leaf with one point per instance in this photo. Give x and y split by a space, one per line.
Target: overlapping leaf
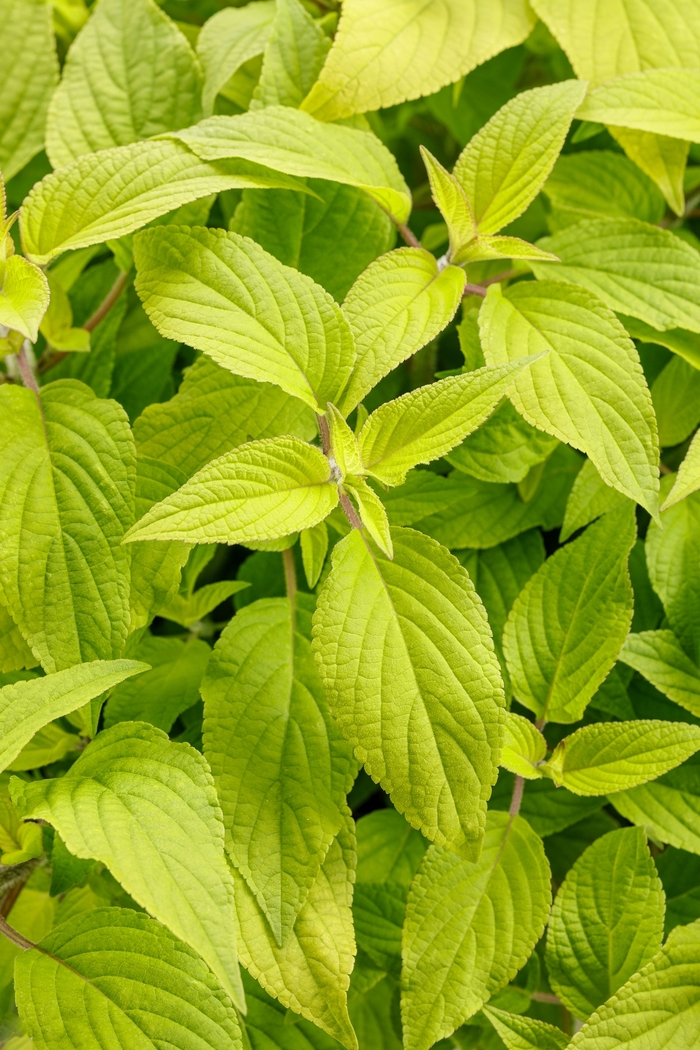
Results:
659 656
228 39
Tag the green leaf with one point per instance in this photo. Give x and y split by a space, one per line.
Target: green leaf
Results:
413 51
675 394
658 1008
388 849
259 491
290 141
688 477
661 101
569 623
15 654
635 268
188 610
607 921
112 93
48 745
230 38
314 547
131 792
344 446
547 808
470 926
106 195
395 307
294 54
27 81
310 973
589 390
57 323
372 514
24 296
26 707
662 158
66 501
452 203
525 1033
421 708
503 449
597 184
523 747
223 294
589 499
659 656
281 768
112 973
424 424
669 807
505 165
674 570
605 757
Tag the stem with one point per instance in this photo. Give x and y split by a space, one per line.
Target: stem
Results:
350 512
290 577
505 276
325 434
546 997
107 303
473 289
13 936
25 369
518 788
408 235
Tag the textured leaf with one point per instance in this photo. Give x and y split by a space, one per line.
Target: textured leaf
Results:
523 747
27 706
525 1033
506 164
107 195
658 1008
607 921
452 202
259 491
310 974
612 756
112 973
661 101
598 184
27 80
294 54
395 307
372 514
187 610
66 501
314 547
470 926
662 158
221 293
24 296
344 445
48 745
589 390
113 93
675 394
422 708
569 623
659 656
674 570
590 497
15 654
688 477
147 809
230 38
290 141
669 807
280 765
388 848
547 809
412 50
503 449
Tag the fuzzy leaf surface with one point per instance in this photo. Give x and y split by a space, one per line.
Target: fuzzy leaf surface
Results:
670 807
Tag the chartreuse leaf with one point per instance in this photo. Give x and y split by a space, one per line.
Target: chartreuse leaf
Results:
27 706
395 307
290 141
147 809
414 51
525 1033
294 54
112 92
24 295
589 390
66 501
658 1008
424 424
230 38
505 165
688 477
524 747
590 497
106 195
115 974
659 656
344 447
372 514
310 973
669 807
568 624
27 80
259 491
314 547
280 765
452 203
57 323
470 926
661 101
407 661
503 449
596 184
674 570
388 849
189 609
635 268
607 921
223 294
662 158
48 745
606 757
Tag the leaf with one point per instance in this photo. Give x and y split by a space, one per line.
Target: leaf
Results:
424 424
227 40
48 745
688 477
27 706
190 610
24 296
503 449
412 51
395 307
671 553
372 514
280 765
114 971
344 446
407 661
388 849
548 810
590 498
523 748
147 809
452 202
597 184
674 394
111 93
107 195
569 623
314 547
661 101
607 921
27 80
294 54
223 294
507 162
657 1008
525 1033
662 158
635 268
259 491
589 390
669 807
469 927
310 974
15 654
66 501
659 656
290 141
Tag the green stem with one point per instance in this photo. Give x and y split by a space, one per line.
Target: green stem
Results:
15 937
290 579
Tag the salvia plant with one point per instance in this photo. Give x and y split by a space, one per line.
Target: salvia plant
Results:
350 525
